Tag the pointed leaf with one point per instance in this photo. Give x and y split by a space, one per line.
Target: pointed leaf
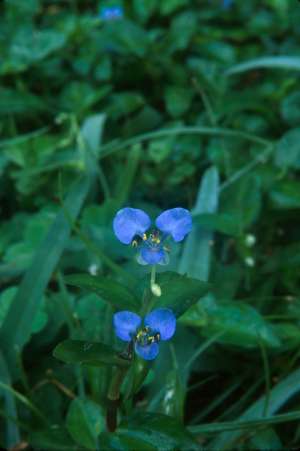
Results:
179 292
107 289
88 353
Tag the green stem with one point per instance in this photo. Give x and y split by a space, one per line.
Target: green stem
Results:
153 274
113 397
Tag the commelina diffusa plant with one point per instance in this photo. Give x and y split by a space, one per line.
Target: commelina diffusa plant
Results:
152 308
131 224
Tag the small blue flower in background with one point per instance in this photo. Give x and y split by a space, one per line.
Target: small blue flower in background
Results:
227 3
160 324
108 13
132 223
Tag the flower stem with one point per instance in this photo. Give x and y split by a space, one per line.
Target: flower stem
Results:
113 395
153 274
155 288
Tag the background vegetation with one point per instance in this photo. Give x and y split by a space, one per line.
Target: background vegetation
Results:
178 103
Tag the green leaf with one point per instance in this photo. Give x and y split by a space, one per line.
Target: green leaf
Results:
285 195
214 428
18 322
267 62
287 153
179 292
88 353
223 223
290 108
196 255
178 100
241 324
92 130
85 422
161 431
170 6
265 440
13 101
107 289
52 439
123 442
29 47
242 200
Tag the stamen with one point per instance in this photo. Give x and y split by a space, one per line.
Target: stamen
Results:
134 243
144 236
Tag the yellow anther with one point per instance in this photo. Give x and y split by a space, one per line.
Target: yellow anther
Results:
144 237
134 243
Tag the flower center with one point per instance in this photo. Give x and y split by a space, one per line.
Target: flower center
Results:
146 336
153 239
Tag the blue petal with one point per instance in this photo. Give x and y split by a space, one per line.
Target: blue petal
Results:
162 320
148 352
176 222
126 324
129 222
152 256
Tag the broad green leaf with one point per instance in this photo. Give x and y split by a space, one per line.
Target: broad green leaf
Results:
29 47
178 100
241 324
223 223
267 62
107 289
15 102
88 353
161 431
18 322
287 153
196 255
179 293
125 103
85 422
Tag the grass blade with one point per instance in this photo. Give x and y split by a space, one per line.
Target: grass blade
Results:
12 435
195 259
279 395
267 62
17 326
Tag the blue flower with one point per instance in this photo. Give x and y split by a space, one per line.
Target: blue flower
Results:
131 224
160 324
227 3
108 13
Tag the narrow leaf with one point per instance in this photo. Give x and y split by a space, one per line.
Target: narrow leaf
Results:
195 260
18 323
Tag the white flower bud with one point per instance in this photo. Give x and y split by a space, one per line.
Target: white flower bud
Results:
156 290
93 269
249 261
250 240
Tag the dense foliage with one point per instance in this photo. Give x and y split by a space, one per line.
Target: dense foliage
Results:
179 103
